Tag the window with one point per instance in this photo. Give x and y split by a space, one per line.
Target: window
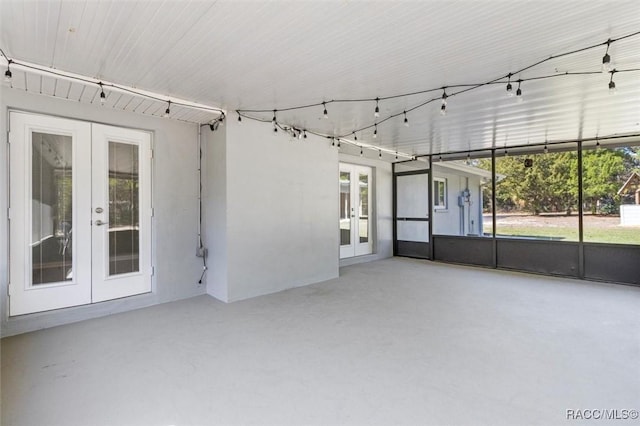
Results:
538 195
439 193
611 193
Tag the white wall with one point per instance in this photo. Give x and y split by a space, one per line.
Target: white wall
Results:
630 215
175 192
278 228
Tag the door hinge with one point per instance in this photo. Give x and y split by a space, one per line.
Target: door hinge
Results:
153 270
152 212
151 154
8 289
9 213
9 137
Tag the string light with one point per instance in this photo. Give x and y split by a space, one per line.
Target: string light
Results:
443 109
58 74
509 86
239 118
519 92
361 152
168 110
606 59
273 120
379 153
338 143
396 155
406 121
103 97
468 158
470 86
597 144
546 148
7 73
333 142
325 113
612 84
376 114
355 137
375 131
304 134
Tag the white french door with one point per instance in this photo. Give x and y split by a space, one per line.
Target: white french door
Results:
355 210
121 231
80 213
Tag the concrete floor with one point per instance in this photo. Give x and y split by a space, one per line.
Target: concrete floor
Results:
397 341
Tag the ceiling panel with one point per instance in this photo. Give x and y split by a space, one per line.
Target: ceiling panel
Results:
277 54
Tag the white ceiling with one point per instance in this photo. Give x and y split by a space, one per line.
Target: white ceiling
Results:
277 54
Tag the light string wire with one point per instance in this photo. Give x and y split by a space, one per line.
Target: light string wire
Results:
297 132
466 87
101 84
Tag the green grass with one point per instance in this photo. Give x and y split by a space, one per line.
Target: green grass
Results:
626 235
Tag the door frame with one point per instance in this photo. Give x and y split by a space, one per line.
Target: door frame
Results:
85 206
355 248
421 250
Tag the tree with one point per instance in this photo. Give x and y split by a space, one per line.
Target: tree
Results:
603 172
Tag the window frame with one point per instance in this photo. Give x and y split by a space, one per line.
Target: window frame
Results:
436 194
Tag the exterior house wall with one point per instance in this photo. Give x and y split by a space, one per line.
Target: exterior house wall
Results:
457 220
175 199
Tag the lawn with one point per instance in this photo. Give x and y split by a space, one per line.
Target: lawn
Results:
597 229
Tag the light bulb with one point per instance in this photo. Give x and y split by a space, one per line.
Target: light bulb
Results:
444 97
443 109
509 90
375 132
376 114
380 154
406 120
606 63
7 75
606 59
325 113
612 87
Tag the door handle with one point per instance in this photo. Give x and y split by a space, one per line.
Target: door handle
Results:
100 223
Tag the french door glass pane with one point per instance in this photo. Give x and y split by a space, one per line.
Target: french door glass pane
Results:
124 216
345 208
363 225
51 207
